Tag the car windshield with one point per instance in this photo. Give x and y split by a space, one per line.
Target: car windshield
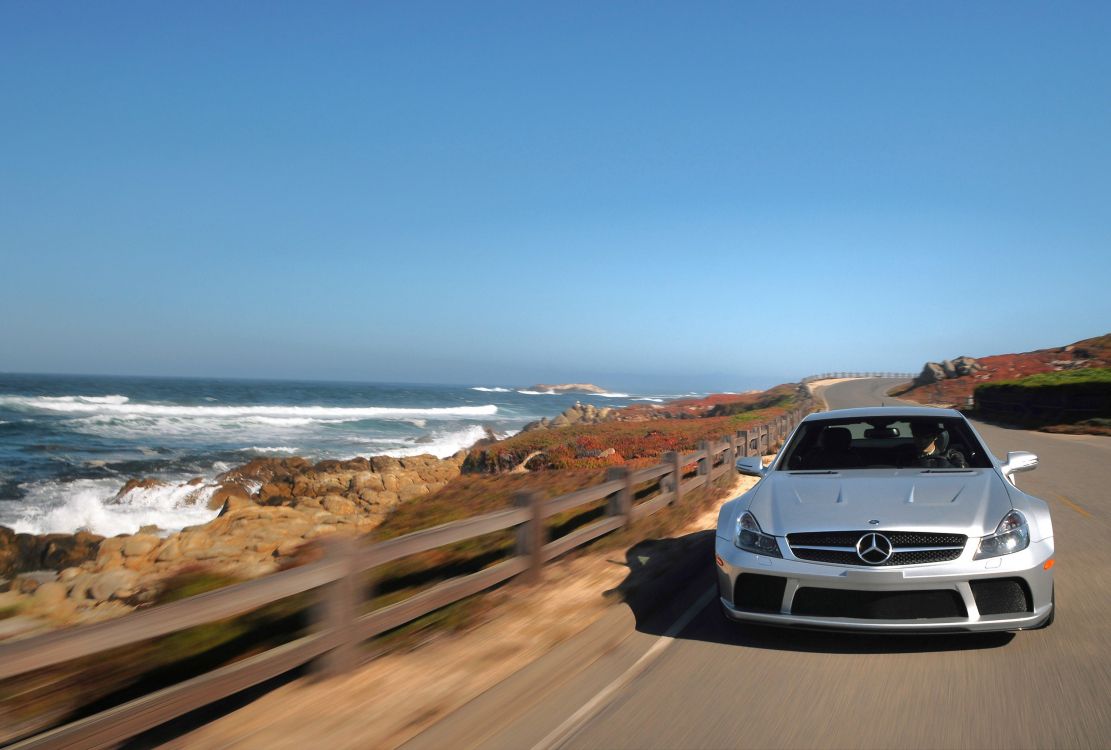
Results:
894 442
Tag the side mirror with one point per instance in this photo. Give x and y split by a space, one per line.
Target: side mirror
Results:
753 466
1019 461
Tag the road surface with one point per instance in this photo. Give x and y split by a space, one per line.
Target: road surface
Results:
686 679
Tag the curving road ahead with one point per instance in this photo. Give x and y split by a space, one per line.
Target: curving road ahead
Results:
703 683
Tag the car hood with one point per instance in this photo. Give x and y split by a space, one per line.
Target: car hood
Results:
971 503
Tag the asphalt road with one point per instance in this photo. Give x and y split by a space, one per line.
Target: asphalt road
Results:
710 684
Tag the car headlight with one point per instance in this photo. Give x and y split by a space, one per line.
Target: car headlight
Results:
749 537
1012 535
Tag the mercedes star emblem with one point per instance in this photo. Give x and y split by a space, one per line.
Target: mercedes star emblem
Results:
874 549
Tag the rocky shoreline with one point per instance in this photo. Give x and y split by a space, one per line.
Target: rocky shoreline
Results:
269 509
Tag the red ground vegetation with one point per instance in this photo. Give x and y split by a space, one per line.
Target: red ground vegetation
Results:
634 441
687 408
1094 352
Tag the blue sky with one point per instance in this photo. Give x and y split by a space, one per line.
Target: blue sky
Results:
709 195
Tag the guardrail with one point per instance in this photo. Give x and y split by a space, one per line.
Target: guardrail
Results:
343 578
832 375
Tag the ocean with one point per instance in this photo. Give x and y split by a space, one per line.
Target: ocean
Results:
68 443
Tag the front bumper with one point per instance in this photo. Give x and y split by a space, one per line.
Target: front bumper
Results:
951 583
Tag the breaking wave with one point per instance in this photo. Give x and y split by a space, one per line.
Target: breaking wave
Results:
91 504
114 399
120 406
441 445
490 389
268 449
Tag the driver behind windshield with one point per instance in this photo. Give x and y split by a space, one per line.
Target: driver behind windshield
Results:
931 446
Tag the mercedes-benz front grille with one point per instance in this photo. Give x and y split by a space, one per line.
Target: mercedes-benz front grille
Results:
900 547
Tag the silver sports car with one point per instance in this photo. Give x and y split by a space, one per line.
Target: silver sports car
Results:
887 519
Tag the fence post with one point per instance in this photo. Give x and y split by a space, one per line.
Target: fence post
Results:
706 463
731 452
671 457
745 437
530 534
621 502
336 609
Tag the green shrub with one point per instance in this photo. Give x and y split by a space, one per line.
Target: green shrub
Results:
1050 398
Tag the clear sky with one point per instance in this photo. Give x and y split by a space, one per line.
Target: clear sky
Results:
700 194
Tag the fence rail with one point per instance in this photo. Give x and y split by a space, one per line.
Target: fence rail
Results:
340 582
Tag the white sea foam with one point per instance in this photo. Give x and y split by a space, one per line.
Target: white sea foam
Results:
490 389
441 445
124 409
604 394
64 507
268 449
669 397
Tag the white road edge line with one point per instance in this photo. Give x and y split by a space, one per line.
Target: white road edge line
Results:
576 721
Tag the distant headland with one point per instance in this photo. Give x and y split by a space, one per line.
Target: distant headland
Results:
568 388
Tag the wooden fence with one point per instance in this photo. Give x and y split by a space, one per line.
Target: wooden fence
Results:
341 581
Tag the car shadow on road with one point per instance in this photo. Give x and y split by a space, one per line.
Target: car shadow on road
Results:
667 576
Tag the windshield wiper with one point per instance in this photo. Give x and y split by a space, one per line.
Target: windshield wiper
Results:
946 471
817 471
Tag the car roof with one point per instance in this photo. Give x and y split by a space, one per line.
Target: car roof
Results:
890 412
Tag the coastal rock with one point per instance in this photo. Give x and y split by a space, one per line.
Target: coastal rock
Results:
226 492
24 552
169 552
578 414
339 505
138 484
49 594
966 366
932 372
116 584
540 424
138 545
600 453
367 482
268 509
9 552
935 372
67 550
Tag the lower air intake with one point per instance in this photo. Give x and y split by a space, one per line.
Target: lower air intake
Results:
878 605
758 593
997 596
